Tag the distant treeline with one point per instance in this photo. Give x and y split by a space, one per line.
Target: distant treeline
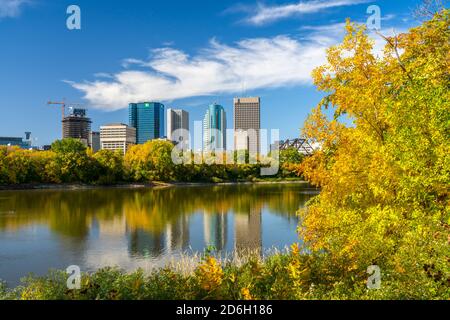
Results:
69 161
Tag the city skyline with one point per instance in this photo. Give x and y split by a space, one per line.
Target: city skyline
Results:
150 121
113 50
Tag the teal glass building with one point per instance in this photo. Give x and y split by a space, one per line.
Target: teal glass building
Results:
148 119
214 128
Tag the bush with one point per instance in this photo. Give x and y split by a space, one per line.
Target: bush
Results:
278 277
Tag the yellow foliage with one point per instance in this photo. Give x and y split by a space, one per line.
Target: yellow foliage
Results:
384 165
210 274
245 292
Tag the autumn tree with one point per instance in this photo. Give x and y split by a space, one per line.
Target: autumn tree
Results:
151 161
71 162
110 166
384 177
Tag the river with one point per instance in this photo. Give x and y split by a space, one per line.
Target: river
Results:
147 227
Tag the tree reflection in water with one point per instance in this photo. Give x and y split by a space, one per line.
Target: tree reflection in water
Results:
158 220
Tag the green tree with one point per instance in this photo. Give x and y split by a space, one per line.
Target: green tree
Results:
71 162
290 155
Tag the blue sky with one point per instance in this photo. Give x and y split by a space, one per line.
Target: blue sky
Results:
186 54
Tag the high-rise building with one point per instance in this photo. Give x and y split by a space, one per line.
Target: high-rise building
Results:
117 136
214 128
148 119
247 124
177 119
77 126
94 141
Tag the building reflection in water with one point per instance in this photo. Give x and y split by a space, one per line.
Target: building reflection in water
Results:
248 232
215 230
174 238
177 235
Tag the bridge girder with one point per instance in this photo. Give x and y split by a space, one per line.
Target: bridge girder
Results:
301 145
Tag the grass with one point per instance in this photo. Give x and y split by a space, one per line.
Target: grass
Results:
280 275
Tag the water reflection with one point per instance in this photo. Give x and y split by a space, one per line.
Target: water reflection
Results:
143 227
248 231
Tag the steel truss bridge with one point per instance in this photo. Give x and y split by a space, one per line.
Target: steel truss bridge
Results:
301 145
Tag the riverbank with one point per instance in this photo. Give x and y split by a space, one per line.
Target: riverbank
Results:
154 184
75 186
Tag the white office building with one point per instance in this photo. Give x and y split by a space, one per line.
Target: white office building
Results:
117 136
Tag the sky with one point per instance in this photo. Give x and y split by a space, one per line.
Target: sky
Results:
185 54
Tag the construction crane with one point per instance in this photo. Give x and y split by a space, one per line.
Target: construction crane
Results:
63 107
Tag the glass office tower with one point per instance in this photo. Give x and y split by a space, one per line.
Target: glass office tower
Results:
148 119
214 128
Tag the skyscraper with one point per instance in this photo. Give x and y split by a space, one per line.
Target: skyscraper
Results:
148 119
247 124
214 128
176 120
77 126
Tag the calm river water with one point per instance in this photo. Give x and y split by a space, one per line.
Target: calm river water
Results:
131 228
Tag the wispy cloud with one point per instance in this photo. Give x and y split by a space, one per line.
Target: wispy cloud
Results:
11 8
263 14
170 74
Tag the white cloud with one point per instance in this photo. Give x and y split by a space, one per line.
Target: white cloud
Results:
171 74
266 14
11 8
